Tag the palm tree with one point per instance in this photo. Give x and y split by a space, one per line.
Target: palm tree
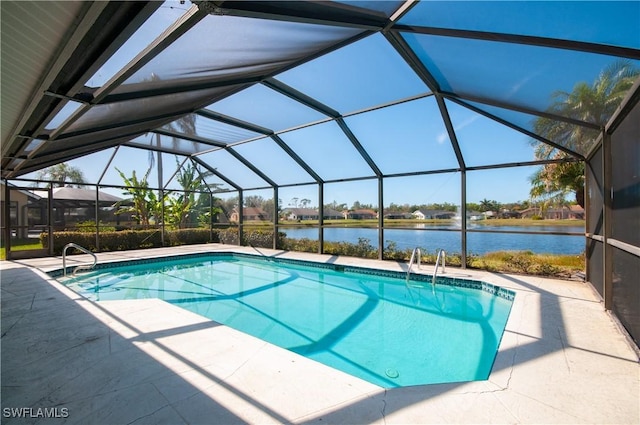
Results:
143 204
62 175
304 203
185 124
595 104
185 207
176 213
487 205
181 207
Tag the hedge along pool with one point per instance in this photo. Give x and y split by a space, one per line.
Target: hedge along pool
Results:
372 324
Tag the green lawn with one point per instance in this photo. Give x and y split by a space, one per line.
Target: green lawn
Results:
20 245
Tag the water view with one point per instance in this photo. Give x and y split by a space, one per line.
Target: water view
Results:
477 242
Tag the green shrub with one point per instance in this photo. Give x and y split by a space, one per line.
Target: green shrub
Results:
362 249
522 261
391 252
90 227
190 236
300 245
502 261
229 236
546 269
259 238
129 239
60 239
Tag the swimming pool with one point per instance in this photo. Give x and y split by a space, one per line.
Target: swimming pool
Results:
370 323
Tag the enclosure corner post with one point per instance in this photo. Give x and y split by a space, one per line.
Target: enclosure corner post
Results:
6 215
240 217
275 217
463 219
607 224
320 218
97 218
380 219
50 218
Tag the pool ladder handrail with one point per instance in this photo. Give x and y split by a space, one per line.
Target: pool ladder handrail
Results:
441 258
80 267
414 257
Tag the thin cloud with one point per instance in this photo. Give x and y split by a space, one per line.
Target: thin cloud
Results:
444 136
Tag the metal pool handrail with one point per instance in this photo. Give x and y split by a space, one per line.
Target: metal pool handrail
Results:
440 258
82 266
413 257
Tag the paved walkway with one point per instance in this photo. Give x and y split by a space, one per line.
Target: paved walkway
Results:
562 360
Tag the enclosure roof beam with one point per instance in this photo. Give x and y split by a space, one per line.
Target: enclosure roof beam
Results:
185 23
521 164
217 173
581 46
167 116
146 90
405 51
300 97
400 12
309 12
453 138
628 103
517 128
102 28
234 121
190 138
194 164
52 158
356 143
153 148
250 166
296 158
519 108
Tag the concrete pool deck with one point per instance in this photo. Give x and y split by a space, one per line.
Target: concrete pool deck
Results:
562 359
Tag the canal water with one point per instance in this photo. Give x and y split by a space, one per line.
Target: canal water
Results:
432 238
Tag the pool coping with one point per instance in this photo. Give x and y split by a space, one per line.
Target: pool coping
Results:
498 291
561 360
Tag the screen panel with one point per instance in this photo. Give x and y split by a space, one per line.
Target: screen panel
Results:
626 291
272 160
590 21
232 168
484 141
128 160
595 196
269 109
370 71
243 47
573 137
328 151
595 265
168 13
408 137
431 200
486 69
625 156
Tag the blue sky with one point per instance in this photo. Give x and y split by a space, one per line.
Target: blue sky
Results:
407 137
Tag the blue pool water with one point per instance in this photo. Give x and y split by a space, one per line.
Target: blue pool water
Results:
368 323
